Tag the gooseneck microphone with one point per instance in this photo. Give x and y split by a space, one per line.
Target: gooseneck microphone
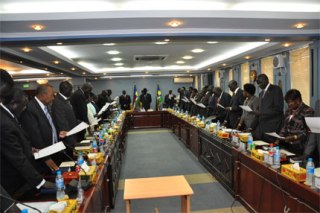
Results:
15 201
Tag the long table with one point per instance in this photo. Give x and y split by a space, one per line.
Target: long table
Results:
259 187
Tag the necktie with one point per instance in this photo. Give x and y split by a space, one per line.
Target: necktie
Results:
54 131
264 92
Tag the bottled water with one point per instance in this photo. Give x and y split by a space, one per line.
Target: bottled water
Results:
80 192
60 186
276 158
310 173
250 142
217 126
94 146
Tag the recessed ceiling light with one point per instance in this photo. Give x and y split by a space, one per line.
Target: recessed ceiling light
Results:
61 73
56 62
161 42
187 57
197 50
21 62
146 72
113 52
37 27
209 68
59 43
300 25
267 40
73 68
45 68
116 59
26 49
174 23
180 62
190 75
212 42
48 74
247 57
110 78
166 40
109 44
286 44
83 73
188 70
118 64
224 65
95 78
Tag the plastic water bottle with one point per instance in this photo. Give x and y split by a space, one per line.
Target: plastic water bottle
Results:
250 142
310 173
80 161
80 192
60 186
186 112
276 158
94 146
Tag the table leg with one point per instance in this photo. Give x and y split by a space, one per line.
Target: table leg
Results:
185 204
128 206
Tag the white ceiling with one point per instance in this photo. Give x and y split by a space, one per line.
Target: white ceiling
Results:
240 27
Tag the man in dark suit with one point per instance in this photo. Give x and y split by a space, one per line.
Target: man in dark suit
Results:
63 113
269 117
145 99
102 99
169 99
18 173
78 101
211 108
125 101
223 99
38 122
234 111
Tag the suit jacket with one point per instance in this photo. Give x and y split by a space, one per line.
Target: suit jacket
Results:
271 107
146 101
102 100
64 116
35 122
212 105
79 104
169 101
236 112
17 162
224 101
125 102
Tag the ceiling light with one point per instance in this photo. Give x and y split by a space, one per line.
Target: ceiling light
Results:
95 78
247 57
300 25
110 78
146 72
113 52
190 75
224 65
197 50
174 23
109 44
73 68
37 27
21 62
267 40
188 71
212 42
48 74
42 81
209 68
26 49
166 40
180 62
286 44
56 62
161 42
61 73
83 73
187 57
116 59
118 64
45 68
59 43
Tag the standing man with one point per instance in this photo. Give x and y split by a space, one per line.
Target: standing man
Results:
222 99
269 117
145 99
63 113
79 103
125 101
234 110
38 122
169 99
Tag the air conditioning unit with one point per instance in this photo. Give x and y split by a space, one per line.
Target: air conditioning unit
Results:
278 61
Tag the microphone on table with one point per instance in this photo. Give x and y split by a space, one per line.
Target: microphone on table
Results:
15 201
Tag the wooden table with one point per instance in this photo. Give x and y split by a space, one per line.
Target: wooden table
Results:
158 187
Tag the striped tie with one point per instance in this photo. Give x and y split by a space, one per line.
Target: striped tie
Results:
54 131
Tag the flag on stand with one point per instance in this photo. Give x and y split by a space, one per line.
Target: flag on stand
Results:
135 97
159 98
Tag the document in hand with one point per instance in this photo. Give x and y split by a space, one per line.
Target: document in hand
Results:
274 134
314 124
78 128
57 147
246 108
201 105
95 122
185 100
104 108
113 103
193 101
219 105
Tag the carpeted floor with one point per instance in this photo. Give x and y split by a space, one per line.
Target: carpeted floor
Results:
157 152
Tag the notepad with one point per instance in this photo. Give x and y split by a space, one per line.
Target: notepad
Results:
219 105
201 105
246 108
274 134
193 101
57 147
78 128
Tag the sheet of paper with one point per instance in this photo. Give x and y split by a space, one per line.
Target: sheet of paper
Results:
274 134
201 105
219 105
246 108
57 147
95 122
113 103
185 100
78 128
313 123
283 151
193 101
42 206
260 143
67 164
104 108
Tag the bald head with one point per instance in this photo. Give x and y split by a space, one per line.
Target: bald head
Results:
262 81
233 85
45 93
